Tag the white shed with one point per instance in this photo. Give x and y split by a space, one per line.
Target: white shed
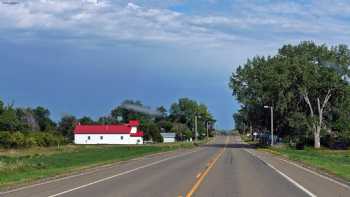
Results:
168 137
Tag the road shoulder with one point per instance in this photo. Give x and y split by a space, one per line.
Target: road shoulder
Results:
86 171
305 166
319 184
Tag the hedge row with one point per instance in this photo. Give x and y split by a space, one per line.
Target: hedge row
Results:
29 139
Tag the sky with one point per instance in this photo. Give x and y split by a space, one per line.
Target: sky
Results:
84 57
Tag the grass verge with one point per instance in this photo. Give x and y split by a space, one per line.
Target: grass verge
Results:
22 166
335 162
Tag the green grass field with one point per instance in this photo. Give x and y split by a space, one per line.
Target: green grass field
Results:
20 166
336 162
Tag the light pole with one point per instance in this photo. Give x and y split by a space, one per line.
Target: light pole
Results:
207 130
271 108
195 128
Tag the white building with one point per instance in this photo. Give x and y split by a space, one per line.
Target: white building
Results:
108 134
168 137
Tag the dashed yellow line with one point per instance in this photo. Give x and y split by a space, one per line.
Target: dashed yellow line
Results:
205 173
198 175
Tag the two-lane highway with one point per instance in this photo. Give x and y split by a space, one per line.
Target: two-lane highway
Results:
227 167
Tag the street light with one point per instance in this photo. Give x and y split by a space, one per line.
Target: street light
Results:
207 125
196 127
271 108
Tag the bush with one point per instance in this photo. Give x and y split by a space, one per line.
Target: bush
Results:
335 142
300 146
28 139
17 140
5 137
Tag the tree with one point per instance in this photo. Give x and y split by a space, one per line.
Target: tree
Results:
320 79
303 83
8 119
1 106
163 114
42 116
151 132
182 131
66 126
185 110
165 125
86 120
27 119
130 110
162 110
105 120
241 121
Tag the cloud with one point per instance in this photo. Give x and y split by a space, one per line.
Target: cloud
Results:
105 20
135 21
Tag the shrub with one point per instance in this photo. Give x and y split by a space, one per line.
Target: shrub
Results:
29 139
17 140
5 139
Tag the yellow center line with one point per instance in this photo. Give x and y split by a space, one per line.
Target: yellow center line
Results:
198 175
205 173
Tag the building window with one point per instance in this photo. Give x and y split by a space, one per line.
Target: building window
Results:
101 137
121 137
138 141
89 137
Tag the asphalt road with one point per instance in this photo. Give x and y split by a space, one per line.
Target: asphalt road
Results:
227 167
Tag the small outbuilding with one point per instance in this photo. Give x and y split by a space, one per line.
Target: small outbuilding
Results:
168 137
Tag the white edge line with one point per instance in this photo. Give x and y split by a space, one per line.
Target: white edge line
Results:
122 173
315 173
284 175
91 171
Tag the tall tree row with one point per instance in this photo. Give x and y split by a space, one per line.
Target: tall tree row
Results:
179 119
308 86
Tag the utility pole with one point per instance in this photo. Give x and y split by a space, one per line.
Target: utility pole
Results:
271 111
195 128
207 130
272 137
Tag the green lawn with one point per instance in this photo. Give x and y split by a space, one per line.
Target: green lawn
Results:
19 166
336 162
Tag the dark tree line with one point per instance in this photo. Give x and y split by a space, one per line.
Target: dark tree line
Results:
308 86
179 119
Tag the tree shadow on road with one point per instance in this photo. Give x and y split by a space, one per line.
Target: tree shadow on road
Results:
231 145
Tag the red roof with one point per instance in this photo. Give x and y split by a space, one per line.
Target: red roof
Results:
109 129
102 129
134 123
137 134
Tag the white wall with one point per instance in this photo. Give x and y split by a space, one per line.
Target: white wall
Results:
168 139
106 139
